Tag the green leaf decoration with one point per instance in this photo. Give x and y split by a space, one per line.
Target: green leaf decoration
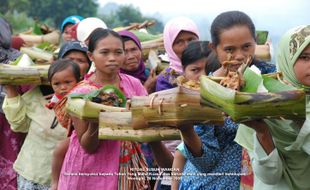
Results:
37 29
95 93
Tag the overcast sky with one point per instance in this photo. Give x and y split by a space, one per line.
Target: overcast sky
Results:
276 16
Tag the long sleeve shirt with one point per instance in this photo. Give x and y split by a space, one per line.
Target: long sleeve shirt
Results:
28 114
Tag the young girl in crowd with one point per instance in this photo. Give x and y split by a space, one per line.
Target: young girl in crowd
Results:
63 75
281 153
86 153
27 113
194 60
77 52
178 32
134 64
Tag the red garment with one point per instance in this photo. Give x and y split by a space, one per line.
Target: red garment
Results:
10 144
17 42
246 180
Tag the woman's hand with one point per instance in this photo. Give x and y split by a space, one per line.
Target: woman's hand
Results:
262 133
150 83
10 91
87 133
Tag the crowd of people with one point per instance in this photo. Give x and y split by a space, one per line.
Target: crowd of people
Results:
43 149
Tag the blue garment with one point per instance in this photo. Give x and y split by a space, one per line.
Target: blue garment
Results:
264 67
166 79
220 164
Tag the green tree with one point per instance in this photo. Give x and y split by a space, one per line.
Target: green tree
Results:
51 11
126 14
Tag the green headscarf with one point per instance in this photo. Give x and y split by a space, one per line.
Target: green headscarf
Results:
291 140
291 45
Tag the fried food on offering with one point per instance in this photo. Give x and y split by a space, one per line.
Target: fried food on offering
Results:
234 78
108 99
182 81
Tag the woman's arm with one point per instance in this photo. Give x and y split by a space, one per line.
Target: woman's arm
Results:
162 155
150 83
192 140
87 133
15 110
268 168
263 135
177 169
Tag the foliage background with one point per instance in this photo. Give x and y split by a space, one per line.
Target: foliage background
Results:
22 14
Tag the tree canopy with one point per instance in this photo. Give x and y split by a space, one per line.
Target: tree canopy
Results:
22 14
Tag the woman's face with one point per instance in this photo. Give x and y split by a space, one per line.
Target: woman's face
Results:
108 55
133 56
181 42
79 58
63 81
66 33
302 67
236 41
195 70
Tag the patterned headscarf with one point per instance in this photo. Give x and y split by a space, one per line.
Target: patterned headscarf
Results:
140 72
290 47
171 31
6 52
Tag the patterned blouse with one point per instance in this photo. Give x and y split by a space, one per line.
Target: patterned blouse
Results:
220 165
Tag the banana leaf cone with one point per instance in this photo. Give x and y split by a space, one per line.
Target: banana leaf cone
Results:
16 75
282 101
171 108
117 126
83 107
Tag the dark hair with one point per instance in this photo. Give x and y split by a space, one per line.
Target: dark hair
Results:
62 64
195 51
125 39
213 63
71 46
226 21
98 34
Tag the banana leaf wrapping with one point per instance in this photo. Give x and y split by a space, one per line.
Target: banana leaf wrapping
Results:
171 108
15 75
83 107
118 126
281 101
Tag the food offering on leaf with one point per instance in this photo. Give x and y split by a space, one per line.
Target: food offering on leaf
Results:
108 99
191 84
108 95
235 69
88 106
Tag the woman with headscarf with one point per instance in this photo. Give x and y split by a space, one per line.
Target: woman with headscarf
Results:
9 140
282 147
178 32
134 64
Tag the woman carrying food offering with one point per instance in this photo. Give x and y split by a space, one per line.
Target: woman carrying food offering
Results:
194 60
281 151
91 163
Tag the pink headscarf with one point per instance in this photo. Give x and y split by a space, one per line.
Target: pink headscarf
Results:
171 31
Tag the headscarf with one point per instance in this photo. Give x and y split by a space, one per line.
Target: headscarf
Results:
291 45
291 140
140 72
171 31
6 52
